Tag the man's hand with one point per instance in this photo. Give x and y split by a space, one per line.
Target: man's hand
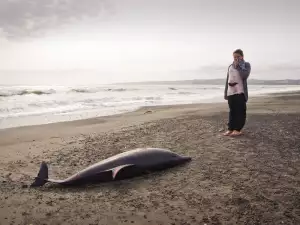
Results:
235 63
242 64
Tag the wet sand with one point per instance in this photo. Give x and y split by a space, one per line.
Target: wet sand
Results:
252 179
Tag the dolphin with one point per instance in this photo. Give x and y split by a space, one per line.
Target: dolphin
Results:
128 164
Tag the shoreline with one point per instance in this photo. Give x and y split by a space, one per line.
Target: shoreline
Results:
143 108
135 117
114 122
45 119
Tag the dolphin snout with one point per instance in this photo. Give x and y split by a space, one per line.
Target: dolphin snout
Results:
186 159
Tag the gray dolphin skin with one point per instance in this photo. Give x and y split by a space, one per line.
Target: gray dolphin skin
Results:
121 166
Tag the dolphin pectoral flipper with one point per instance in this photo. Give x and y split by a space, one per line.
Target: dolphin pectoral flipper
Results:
126 171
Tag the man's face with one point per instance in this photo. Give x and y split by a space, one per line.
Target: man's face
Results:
236 57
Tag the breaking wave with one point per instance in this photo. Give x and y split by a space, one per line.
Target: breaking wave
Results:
95 90
20 91
10 93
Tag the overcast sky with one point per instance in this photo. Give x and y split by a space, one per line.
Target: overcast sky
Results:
134 38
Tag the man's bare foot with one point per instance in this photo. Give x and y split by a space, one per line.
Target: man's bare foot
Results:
236 133
227 133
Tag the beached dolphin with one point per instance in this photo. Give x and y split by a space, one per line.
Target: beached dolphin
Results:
121 166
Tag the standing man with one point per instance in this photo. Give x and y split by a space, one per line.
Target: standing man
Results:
236 93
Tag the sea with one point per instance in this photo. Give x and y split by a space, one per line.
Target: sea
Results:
33 105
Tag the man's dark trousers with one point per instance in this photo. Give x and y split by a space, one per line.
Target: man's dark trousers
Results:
237 112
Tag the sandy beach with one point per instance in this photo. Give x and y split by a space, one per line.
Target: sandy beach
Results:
252 179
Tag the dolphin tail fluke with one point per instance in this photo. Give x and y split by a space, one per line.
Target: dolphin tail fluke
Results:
42 176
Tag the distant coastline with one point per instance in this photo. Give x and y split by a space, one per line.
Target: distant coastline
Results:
218 82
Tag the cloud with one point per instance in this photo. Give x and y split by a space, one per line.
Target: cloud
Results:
19 18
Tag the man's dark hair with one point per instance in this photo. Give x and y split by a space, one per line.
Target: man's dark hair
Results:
239 51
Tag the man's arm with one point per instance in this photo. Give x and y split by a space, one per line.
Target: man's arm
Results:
244 68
